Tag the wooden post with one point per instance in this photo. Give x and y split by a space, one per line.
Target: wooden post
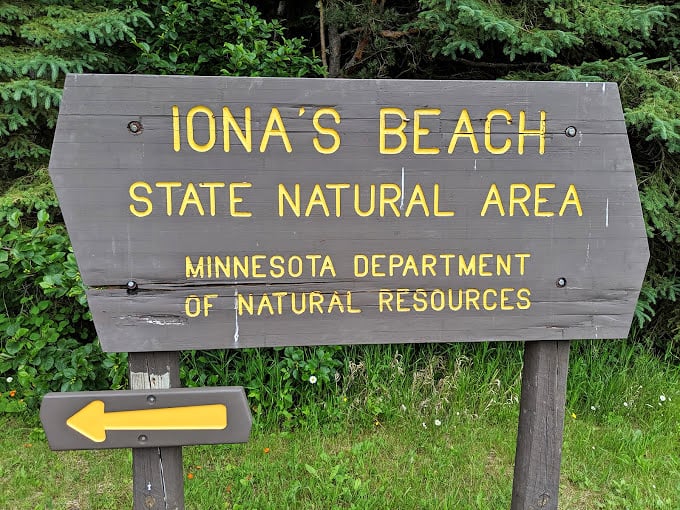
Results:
157 475
536 481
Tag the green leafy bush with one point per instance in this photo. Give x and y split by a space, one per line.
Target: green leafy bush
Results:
212 37
45 327
47 339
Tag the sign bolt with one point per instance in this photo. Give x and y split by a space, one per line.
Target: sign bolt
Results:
570 131
131 286
151 399
135 127
561 282
142 439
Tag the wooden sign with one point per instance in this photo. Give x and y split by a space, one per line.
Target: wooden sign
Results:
215 212
145 418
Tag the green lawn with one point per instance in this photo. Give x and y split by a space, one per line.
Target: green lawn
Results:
406 429
463 463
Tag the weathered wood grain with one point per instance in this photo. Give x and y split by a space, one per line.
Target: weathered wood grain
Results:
157 474
541 426
601 252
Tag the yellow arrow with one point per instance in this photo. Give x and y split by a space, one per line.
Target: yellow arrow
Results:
93 422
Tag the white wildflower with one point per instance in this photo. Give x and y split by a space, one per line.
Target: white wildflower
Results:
10 379
312 379
662 398
437 423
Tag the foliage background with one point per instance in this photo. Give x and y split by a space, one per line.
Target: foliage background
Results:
47 341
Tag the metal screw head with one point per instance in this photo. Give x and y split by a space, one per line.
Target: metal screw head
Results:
131 287
151 399
561 282
135 127
142 439
570 131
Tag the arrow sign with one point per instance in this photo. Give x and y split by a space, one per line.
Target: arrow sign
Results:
93 421
145 418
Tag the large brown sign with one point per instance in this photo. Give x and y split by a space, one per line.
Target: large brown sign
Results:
243 212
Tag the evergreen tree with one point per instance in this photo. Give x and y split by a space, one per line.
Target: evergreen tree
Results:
41 41
633 44
47 340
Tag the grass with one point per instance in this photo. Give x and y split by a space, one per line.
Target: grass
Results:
414 429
